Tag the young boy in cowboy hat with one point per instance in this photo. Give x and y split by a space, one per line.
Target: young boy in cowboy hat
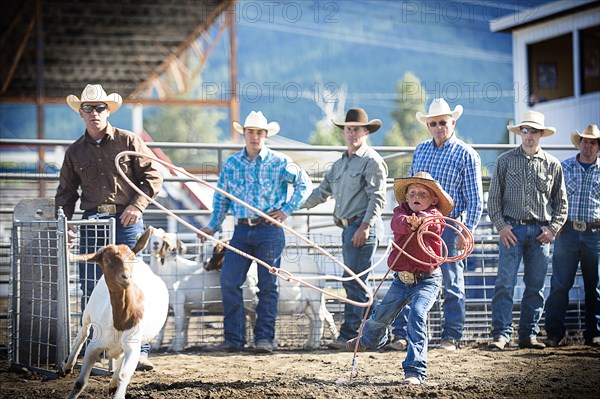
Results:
528 205
89 165
417 282
357 183
260 177
579 241
457 167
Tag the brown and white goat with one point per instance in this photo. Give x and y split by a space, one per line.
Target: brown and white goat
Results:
127 308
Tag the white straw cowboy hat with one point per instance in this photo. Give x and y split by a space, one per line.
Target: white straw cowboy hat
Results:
256 120
535 120
95 93
590 132
445 203
358 117
439 107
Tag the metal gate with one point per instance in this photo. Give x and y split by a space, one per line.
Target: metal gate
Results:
46 290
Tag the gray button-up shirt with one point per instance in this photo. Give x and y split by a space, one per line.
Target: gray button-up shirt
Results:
528 187
357 184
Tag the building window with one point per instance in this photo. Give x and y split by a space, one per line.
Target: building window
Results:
550 66
589 42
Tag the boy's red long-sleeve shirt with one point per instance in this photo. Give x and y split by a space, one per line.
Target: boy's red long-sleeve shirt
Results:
402 232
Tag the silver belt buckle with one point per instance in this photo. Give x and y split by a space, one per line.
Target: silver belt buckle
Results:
251 222
579 225
406 277
344 222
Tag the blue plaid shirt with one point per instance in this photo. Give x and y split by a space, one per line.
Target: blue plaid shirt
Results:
583 190
261 182
456 166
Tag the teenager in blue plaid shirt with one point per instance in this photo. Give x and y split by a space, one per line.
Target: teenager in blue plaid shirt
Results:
457 167
260 177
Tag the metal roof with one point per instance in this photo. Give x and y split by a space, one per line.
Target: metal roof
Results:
121 44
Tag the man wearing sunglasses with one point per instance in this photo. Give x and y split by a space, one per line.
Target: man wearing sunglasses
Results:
456 166
528 205
89 174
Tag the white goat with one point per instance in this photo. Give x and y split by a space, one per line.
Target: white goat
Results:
193 287
127 308
190 286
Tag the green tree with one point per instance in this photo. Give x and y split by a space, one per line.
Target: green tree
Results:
406 129
326 133
186 124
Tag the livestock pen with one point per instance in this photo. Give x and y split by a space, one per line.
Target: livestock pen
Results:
206 325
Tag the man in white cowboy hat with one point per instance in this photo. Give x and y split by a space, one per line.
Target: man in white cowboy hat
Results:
89 166
579 241
456 166
417 277
260 177
528 205
357 183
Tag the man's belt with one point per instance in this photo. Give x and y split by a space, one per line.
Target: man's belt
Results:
584 226
251 222
414 278
346 222
110 209
528 221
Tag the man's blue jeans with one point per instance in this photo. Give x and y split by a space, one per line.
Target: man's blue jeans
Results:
454 295
536 257
265 242
92 239
571 249
421 297
357 260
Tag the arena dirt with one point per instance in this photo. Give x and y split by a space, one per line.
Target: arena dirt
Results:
473 372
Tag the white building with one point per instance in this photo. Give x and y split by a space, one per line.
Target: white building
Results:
556 64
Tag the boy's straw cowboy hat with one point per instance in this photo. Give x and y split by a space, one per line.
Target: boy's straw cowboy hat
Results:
439 107
445 203
256 120
94 93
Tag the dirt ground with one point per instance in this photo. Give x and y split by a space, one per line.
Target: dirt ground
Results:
472 372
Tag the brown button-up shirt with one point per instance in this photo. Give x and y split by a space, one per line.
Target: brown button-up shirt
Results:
91 166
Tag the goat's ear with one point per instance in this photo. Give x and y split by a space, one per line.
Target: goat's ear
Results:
181 247
95 257
143 241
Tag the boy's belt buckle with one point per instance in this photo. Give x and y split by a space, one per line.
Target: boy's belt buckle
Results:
406 277
579 225
111 209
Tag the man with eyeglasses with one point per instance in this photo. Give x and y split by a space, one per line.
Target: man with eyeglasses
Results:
456 166
89 174
528 205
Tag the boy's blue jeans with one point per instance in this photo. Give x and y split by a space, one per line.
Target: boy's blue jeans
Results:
454 295
421 297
